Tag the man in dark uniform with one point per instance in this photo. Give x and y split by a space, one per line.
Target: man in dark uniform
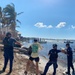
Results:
8 51
52 59
69 58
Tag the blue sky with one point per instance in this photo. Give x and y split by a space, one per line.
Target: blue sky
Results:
45 18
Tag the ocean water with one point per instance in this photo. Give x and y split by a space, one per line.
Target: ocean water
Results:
62 58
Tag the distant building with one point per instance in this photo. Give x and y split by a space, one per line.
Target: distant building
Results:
4 30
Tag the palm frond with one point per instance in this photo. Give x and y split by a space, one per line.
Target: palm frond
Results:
18 21
20 13
12 4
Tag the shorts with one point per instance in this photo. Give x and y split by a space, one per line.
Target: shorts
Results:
36 59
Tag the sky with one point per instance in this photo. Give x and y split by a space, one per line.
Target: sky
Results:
53 19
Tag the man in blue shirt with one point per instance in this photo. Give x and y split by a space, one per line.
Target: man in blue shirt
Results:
52 59
8 51
69 58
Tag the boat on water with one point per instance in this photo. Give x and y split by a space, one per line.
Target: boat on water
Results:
68 41
42 42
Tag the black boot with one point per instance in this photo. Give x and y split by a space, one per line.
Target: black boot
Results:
2 71
25 72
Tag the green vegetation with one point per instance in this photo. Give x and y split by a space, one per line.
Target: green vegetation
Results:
8 17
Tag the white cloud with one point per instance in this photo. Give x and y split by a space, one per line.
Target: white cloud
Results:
73 27
50 26
41 25
61 24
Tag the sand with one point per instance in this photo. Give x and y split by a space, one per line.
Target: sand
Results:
19 65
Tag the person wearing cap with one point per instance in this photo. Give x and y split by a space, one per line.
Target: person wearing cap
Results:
53 53
8 42
69 53
35 47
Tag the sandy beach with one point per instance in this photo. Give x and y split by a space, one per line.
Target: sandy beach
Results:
20 61
19 65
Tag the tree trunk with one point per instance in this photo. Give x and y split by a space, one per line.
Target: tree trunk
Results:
13 29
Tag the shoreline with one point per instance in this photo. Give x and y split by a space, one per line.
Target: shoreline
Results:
20 60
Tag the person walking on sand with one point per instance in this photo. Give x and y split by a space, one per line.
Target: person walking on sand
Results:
69 53
8 51
53 53
34 56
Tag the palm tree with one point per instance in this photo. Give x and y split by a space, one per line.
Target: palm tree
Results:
10 17
1 24
1 19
